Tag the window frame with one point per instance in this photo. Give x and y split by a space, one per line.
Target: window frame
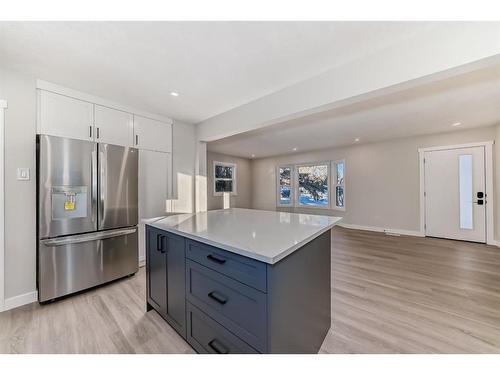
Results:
233 179
292 186
296 185
335 184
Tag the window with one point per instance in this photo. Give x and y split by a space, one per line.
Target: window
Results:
224 178
312 181
285 196
308 185
339 185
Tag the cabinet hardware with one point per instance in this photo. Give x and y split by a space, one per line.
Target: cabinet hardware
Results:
218 297
218 347
136 140
97 133
90 131
159 243
216 259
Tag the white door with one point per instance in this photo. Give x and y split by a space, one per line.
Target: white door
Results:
455 196
63 116
152 135
113 126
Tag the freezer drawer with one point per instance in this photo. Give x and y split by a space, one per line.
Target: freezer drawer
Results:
74 263
118 186
67 186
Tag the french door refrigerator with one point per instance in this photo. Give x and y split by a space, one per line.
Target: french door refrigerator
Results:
87 214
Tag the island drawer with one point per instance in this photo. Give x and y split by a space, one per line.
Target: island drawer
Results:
207 336
236 306
248 271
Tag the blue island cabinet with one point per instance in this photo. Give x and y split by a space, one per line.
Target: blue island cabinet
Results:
222 302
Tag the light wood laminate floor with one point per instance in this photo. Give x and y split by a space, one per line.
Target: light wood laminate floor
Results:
390 295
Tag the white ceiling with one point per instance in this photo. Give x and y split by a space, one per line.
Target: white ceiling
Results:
472 99
215 66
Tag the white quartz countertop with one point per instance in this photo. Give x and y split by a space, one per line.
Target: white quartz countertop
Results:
268 236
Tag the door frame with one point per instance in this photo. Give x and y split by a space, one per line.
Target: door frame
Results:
490 194
3 107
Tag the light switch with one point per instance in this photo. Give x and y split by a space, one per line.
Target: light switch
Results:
23 174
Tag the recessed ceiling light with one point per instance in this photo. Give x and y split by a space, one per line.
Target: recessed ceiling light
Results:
294 149
173 93
456 124
356 140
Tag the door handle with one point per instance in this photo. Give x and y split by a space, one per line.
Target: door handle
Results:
215 259
218 297
80 238
218 347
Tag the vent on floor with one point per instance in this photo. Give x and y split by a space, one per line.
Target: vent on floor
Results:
389 233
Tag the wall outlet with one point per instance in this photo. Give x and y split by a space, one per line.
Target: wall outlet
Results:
23 174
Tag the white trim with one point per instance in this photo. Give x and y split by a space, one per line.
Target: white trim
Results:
333 170
403 232
142 261
52 87
453 147
3 106
233 179
490 194
20 300
292 186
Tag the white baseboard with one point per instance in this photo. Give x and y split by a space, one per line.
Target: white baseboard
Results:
403 232
20 300
142 261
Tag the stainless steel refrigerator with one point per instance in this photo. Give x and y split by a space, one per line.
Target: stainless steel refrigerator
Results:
87 214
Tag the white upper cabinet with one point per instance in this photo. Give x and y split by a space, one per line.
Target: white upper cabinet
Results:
152 135
63 116
113 126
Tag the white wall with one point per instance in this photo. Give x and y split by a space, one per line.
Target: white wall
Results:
184 158
382 179
243 198
20 196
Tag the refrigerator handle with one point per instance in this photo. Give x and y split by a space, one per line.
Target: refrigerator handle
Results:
93 183
102 182
79 238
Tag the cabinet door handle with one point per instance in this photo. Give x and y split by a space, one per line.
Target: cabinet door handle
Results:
159 243
218 347
97 133
90 131
218 297
136 139
215 259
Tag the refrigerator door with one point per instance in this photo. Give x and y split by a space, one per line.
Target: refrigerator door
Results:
67 184
70 264
118 189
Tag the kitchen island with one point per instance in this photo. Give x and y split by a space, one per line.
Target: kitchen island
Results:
242 281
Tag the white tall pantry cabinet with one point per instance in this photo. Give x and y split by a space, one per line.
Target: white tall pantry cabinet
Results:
67 113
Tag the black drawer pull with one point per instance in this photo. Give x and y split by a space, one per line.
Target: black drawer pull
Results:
218 297
218 347
215 259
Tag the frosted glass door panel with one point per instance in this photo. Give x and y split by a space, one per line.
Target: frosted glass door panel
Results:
465 178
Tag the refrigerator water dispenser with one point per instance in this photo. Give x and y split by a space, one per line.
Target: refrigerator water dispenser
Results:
69 202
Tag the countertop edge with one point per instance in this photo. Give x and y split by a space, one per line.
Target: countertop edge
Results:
247 253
